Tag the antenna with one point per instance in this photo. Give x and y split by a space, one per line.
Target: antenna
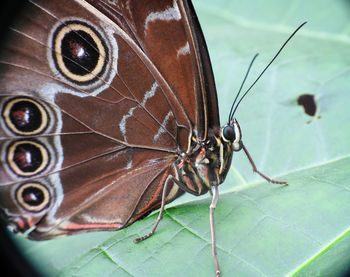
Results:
279 51
245 78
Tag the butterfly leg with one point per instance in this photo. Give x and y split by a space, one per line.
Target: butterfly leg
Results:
160 216
257 171
212 229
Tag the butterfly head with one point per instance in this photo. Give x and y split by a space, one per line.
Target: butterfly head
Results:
231 133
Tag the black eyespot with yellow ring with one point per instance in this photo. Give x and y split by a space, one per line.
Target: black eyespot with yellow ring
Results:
79 52
25 116
27 158
33 197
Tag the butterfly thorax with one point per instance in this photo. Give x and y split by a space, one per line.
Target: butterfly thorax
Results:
208 162
206 165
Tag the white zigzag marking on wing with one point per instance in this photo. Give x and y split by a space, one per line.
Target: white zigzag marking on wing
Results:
169 14
183 50
161 129
149 94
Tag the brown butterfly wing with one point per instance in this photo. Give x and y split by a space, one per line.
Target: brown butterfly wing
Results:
170 35
111 137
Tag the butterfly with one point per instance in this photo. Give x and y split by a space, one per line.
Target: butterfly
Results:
108 112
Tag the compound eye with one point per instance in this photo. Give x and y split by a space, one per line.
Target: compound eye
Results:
228 133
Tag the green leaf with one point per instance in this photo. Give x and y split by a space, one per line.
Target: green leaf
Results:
262 229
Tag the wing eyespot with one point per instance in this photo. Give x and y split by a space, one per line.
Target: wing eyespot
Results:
33 196
25 116
27 158
79 52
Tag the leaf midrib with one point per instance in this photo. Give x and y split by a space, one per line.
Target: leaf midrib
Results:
320 252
